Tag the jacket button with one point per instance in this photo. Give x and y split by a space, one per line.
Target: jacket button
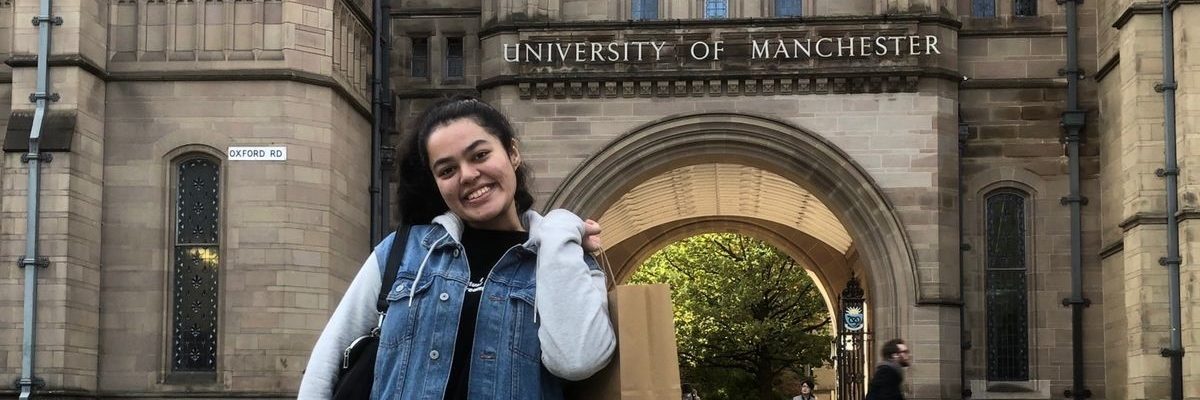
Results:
444 297
433 355
455 253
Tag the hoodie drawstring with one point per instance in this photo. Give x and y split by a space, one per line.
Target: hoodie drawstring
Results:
412 291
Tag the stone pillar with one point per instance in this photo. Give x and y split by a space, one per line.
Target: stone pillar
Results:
1137 331
1187 131
67 331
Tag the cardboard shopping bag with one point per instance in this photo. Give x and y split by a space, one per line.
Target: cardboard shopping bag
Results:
645 365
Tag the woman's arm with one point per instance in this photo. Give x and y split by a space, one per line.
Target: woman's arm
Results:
355 316
576 335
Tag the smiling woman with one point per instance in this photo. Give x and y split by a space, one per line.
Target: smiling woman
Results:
475 174
464 192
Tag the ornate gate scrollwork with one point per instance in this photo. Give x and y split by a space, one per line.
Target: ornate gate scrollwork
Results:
851 343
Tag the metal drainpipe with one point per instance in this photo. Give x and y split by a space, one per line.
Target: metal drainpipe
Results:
387 157
382 153
377 125
31 261
963 333
1073 120
1171 173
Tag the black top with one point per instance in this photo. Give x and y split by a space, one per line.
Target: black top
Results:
885 384
484 249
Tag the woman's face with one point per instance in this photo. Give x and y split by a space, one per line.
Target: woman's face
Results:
805 389
475 174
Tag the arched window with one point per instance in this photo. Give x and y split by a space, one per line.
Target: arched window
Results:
716 9
788 8
644 9
983 8
1007 301
1025 8
195 261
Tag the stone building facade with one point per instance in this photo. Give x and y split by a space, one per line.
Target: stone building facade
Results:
852 134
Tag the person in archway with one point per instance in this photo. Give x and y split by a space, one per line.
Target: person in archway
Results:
492 300
889 374
806 390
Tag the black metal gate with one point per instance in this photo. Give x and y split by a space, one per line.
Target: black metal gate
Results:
851 343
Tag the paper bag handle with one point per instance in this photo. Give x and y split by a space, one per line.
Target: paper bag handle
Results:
603 260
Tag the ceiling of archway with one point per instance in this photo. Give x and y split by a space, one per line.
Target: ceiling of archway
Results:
727 190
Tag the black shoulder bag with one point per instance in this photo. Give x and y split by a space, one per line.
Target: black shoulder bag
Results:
357 372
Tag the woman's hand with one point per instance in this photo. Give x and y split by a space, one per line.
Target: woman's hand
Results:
591 236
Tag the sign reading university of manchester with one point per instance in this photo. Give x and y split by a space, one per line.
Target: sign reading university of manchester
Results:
626 51
720 58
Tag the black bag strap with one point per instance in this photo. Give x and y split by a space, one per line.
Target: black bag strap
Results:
395 255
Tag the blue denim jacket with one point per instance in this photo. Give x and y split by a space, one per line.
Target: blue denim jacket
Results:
417 340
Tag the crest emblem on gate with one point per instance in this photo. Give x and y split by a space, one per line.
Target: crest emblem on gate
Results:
854 319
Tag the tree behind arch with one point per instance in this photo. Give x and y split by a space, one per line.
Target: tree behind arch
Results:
745 312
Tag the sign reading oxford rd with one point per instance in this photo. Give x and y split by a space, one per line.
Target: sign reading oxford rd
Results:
257 153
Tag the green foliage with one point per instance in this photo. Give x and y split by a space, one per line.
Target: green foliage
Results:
744 313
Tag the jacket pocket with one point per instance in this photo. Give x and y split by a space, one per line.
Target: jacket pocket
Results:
400 323
526 348
524 330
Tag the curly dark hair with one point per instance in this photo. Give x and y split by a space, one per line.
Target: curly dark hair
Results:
418 194
890 348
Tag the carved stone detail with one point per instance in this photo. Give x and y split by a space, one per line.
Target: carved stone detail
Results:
714 88
662 89
209 30
718 87
644 88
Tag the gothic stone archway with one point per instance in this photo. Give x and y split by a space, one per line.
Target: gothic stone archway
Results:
903 262
782 149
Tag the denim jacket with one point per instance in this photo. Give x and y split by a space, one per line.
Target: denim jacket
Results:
523 348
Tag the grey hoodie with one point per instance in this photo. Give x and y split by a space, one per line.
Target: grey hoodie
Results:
575 332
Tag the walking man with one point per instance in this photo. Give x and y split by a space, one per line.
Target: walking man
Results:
885 383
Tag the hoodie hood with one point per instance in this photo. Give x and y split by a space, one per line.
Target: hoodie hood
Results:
454 226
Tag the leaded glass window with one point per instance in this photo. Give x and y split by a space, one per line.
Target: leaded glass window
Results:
1025 8
983 8
454 58
1007 294
787 8
420 58
716 9
645 9
196 260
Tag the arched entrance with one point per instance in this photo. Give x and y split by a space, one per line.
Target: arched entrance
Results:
875 248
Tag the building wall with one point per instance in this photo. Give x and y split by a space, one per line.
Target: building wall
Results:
166 78
292 233
148 81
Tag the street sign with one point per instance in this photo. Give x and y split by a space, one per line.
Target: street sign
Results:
257 153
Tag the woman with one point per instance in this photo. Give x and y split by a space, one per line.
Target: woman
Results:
806 391
493 300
